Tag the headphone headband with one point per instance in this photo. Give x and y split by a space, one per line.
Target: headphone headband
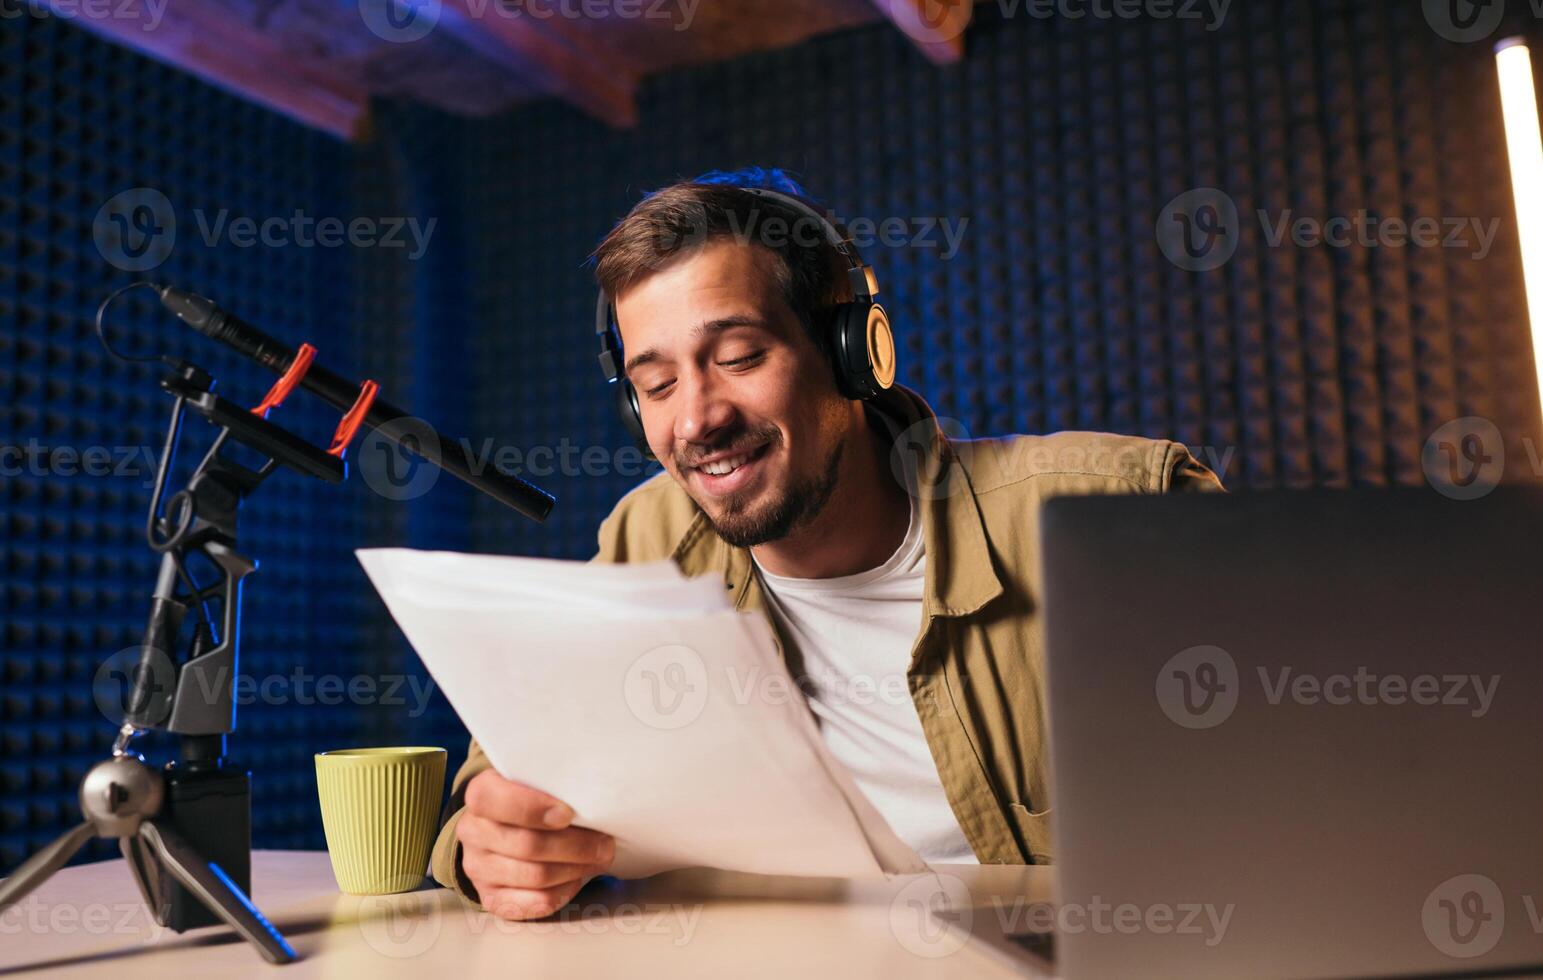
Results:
865 285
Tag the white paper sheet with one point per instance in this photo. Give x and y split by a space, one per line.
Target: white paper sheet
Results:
645 702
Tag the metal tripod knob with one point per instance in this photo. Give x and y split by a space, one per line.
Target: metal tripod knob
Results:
118 795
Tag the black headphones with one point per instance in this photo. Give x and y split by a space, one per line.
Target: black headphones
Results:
858 339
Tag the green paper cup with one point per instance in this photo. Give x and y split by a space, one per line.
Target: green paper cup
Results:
380 809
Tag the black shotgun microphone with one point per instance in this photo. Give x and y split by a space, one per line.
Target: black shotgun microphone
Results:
391 422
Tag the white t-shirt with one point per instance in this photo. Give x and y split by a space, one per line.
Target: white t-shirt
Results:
855 634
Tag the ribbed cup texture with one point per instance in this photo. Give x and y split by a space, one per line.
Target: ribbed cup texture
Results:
380 810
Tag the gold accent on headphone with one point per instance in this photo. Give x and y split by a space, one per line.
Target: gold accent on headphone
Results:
881 346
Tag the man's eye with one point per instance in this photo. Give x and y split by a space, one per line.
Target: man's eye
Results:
658 390
745 361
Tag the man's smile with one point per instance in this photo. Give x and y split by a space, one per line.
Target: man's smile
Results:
720 474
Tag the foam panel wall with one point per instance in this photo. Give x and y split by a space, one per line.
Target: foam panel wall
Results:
1059 142
81 121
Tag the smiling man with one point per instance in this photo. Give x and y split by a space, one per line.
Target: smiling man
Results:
899 567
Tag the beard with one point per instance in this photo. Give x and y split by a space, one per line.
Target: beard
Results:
745 525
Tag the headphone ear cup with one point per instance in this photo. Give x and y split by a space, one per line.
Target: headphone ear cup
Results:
862 349
631 414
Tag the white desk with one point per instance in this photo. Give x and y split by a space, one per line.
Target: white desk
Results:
88 921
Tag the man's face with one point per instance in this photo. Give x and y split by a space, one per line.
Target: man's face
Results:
739 405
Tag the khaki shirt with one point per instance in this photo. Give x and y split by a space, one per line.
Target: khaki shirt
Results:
976 672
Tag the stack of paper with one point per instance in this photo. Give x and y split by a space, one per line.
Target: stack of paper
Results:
644 701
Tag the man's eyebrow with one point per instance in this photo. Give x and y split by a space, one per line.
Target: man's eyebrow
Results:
652 354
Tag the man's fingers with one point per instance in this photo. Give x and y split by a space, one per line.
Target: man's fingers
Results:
519 850
575 845
526 903
502 871
491 795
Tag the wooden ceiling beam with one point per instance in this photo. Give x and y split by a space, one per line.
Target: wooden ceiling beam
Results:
550 52
229 54
936 27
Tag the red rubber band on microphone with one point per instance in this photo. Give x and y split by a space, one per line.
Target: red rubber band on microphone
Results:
351 422
282 387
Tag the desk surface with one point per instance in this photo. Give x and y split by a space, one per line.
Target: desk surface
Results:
88 921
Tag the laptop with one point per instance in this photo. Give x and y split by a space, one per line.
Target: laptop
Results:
1294 734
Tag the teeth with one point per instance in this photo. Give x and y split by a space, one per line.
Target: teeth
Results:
723 467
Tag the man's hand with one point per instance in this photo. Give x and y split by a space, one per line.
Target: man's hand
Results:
519 851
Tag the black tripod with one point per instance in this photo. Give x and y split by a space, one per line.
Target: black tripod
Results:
186 832
123 798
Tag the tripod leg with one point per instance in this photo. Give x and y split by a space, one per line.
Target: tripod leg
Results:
44 863
146 875
218 893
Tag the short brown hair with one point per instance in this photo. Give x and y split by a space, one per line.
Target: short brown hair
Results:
681 218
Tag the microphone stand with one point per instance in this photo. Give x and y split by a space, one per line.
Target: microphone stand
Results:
185 830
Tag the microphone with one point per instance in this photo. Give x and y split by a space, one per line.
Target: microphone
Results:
391 422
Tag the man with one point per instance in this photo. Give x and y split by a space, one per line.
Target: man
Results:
899 568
